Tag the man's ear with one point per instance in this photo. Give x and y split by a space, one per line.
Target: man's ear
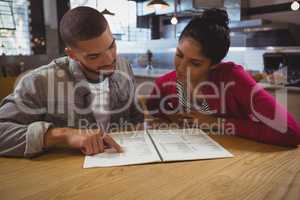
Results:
70 53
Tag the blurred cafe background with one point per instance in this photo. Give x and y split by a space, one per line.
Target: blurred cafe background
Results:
265 37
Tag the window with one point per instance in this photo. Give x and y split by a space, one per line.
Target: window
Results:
14 27
7 20
123 23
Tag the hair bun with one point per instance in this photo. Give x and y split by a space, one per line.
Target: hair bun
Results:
216 16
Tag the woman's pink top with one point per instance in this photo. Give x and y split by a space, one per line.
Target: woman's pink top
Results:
231 93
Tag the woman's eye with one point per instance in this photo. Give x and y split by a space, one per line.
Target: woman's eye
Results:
196 64
179 55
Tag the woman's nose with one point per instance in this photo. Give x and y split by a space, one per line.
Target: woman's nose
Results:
181 69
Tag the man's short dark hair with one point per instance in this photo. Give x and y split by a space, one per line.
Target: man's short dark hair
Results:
81 23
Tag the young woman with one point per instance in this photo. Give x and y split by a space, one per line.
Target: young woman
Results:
208 91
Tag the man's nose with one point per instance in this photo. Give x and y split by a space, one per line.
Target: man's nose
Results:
109 56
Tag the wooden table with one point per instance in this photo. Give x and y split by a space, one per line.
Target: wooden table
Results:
257 171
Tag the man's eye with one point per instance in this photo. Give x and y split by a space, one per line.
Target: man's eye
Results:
93 57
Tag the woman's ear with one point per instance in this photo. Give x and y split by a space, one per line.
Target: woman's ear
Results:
210 64
213 67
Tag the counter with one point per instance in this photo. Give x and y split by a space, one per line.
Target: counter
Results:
155 73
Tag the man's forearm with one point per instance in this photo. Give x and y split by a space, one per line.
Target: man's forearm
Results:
55 136
89 141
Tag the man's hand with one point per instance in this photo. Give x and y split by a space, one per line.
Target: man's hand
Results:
90 141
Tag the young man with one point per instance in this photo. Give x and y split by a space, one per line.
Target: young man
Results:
73 100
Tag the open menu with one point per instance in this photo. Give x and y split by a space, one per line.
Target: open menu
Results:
151 146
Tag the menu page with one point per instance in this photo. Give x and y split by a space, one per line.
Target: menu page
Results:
137 149
186 144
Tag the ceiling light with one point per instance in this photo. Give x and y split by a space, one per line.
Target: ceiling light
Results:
174 20
158 4
295 5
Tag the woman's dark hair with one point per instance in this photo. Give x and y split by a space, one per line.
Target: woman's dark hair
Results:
81 23
212 32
